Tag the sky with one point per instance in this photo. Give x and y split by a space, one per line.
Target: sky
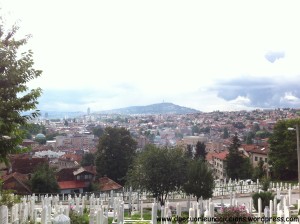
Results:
207 55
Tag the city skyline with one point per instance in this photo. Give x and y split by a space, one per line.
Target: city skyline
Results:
210 55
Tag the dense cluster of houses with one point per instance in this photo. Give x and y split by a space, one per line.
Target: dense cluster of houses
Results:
75 138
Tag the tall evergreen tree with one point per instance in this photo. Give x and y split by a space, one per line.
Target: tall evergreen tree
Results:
189 152
237 166
200 151
225 133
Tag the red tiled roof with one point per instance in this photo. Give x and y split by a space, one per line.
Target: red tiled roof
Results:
221 155
65 174
107 184
22 179
91 169
72 184
209 156
28 165
72 157
256 149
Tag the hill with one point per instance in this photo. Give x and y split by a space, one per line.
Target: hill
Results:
159 108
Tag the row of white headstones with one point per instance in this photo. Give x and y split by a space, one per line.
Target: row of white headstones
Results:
225 188
51 208
25 211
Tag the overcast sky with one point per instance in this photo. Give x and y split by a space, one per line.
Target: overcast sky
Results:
208 55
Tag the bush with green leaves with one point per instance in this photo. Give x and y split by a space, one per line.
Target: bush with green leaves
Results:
265 183
265 199
8 198
76 218
233 214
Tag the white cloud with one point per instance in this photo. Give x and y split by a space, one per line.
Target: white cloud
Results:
161 49
289 98
272 56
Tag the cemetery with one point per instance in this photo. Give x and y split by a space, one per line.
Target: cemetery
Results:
139 207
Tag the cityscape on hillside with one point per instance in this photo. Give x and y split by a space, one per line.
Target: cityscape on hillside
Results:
64 142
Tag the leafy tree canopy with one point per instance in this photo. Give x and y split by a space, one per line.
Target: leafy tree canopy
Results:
16 70
116 150
200 180
43 180
88 159
159 171
283 154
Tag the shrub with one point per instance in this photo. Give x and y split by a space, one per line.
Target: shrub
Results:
78 219
233 214
265 199
265 183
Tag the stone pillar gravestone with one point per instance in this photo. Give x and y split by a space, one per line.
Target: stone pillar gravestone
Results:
162 213
44 218
211 209
25 213
111 199
178 210
121 213
92 216
191 215
290 196
188 202
142 218
3 214
286 213
100 216
275 205
271 208
267 214
259 207
206 215
154 213
201 205
279 215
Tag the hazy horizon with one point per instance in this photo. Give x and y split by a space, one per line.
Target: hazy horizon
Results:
206 55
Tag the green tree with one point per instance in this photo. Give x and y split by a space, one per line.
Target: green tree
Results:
195 129
116 150
66 123
189 152
249 137
98 131
88 159
43 180
200 151
200 180
237 166
255 127
225 133
159 171
262 134
50 137
259 172
283 154
16 70
32 129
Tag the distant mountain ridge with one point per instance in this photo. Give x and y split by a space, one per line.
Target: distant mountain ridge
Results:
159 108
